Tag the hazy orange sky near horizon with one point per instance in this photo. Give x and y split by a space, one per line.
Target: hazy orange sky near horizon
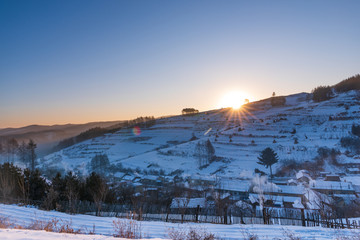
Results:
87 61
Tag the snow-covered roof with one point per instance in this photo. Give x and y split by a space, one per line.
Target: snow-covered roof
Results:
284 189
234 185
119 174
253 197
298 204
348 198
292 181
242 204
128 178
332 178
331 185
303 173
150 177
188 203
203 177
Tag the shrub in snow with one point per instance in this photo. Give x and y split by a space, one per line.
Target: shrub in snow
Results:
190 234
4 222
247 235
54 225
127 229
289 235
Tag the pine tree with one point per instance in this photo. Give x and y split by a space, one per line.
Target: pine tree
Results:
267 158
37 186
97 188
11 148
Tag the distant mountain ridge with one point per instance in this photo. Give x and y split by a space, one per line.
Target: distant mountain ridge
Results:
46 136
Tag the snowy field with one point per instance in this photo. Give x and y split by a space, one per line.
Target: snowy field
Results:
25 216
19 234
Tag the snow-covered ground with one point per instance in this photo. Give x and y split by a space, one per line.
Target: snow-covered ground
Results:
21 234
24 216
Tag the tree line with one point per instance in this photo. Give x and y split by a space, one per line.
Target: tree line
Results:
61 193
322 93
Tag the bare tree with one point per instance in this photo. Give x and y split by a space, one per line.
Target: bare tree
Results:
222 203
50 200
7 183
182 204
23 189
72 191
11 148
23 152
244 209
138 200
31 147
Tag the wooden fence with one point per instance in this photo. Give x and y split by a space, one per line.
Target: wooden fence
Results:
294 217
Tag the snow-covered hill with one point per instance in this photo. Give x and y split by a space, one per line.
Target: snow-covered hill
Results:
295 131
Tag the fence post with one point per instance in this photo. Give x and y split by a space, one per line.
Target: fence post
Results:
197 213
303 218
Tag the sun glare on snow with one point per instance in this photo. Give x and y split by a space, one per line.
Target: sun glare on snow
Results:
234 100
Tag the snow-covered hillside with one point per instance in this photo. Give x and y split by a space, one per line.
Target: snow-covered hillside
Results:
295 131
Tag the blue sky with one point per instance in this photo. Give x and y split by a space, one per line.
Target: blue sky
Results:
81 61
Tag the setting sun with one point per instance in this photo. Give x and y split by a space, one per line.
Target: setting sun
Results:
234 100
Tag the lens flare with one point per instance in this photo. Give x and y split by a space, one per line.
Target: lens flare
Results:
136 131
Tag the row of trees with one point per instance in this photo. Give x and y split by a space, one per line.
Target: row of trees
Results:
61 193
189 111
323 93
351 83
